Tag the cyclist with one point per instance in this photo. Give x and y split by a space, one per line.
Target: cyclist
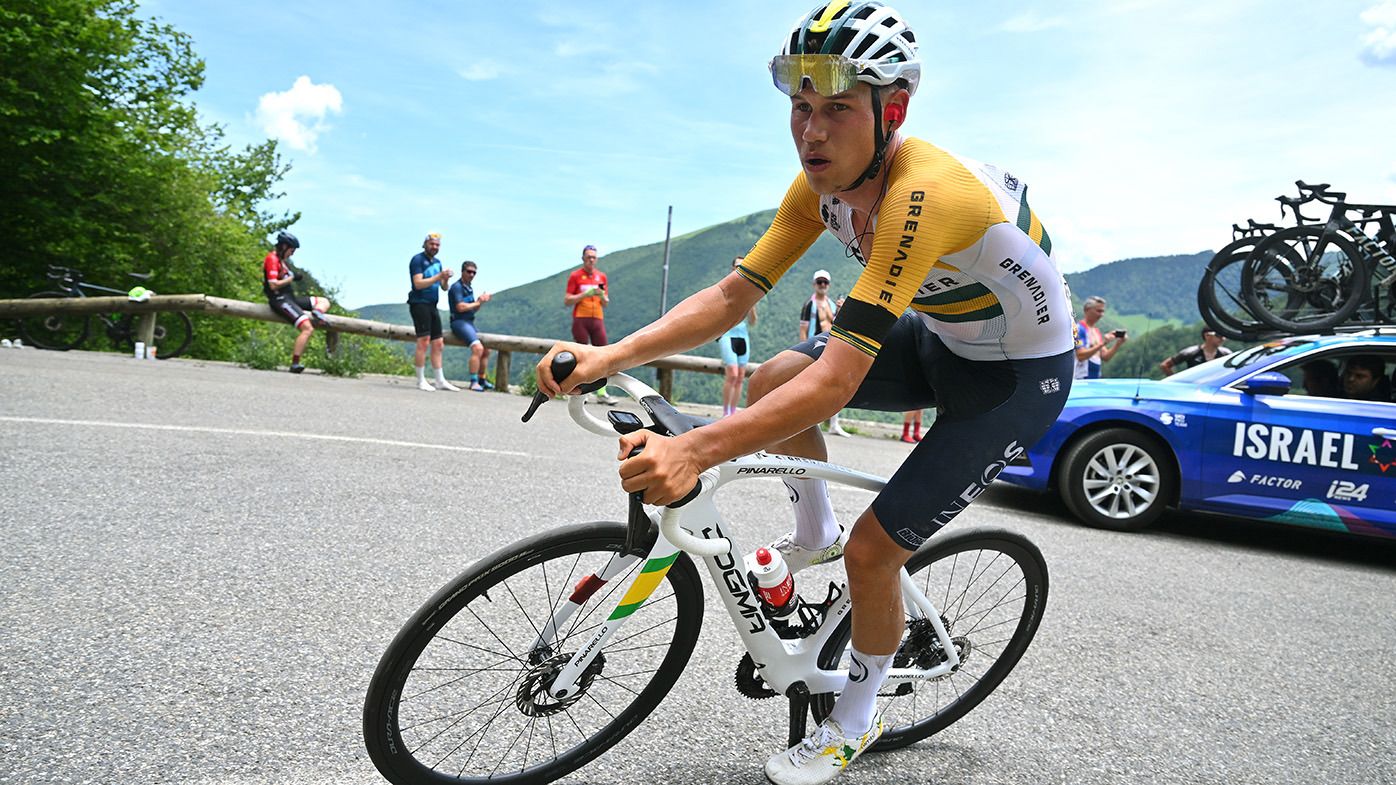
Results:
988 341
276 285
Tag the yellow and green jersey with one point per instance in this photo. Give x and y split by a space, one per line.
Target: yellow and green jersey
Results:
953 240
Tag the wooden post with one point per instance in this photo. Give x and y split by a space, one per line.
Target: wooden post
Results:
501 371
666 383
145 331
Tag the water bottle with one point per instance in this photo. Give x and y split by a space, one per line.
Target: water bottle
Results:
774 583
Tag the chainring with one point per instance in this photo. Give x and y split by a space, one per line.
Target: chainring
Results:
749 682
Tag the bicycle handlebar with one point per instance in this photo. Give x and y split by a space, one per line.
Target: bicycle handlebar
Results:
665 416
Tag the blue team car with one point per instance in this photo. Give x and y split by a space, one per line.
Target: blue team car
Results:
1268 433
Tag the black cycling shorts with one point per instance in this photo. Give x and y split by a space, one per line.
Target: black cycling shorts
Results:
987 412
292 309
426 320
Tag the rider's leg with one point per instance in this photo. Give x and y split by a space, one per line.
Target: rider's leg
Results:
873 562
815 525
306 328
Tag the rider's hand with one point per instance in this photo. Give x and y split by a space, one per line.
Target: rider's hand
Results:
592 364
665 471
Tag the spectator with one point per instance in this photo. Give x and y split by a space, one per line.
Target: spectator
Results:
1321 379
1364 379
1210 349
463 306
428 277
588 296
909 420
1092 349
277 278
735 347
817 318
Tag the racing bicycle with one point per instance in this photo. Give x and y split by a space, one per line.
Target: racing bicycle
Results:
545 654
63 331
1313 278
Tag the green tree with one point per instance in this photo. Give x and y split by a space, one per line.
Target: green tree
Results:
105 167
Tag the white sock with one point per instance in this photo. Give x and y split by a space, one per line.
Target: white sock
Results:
440 376
815 526
856 708
421 373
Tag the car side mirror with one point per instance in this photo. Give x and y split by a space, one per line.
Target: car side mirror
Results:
1268 383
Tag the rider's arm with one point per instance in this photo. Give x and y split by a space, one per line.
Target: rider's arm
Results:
814 395
697 320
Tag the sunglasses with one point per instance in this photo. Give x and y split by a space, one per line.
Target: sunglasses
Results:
828 74
821 282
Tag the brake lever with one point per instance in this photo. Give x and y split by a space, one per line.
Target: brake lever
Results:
562 367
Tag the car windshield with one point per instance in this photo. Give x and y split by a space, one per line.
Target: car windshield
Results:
1224 367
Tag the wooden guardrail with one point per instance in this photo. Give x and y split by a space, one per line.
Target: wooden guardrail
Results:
502 345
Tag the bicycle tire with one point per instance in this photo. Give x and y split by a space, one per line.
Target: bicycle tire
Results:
1032 569
1292 263
445 685
58 332
174 331
1219 300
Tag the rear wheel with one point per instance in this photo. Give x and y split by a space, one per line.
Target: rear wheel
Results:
991 588
460 696
57 331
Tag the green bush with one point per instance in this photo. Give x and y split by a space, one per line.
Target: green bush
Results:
528 385
264 347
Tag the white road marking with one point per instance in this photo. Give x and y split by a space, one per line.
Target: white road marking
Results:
265 434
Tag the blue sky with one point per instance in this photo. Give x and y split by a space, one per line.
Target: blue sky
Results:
525 130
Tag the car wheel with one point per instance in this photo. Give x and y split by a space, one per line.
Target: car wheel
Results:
1117 479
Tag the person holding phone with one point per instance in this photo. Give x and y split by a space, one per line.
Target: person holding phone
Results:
587 295
1092 348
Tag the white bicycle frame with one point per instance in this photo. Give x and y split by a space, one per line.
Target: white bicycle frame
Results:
698 528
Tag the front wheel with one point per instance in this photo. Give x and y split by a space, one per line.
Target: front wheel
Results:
461 696
990 586
1117 479
57 331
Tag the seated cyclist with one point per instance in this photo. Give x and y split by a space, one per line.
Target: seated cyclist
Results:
464 304
959 306
276 285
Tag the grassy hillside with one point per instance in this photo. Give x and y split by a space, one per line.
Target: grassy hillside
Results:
1144 294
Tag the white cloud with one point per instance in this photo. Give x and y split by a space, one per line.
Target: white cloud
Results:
481 71
1031 22
1379 44
297 116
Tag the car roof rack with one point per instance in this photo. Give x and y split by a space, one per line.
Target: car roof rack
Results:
1346 329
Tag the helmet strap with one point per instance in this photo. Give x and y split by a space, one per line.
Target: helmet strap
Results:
879 143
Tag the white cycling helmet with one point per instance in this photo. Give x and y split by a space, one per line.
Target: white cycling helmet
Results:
859 41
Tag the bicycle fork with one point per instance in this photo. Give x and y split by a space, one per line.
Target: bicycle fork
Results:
661 557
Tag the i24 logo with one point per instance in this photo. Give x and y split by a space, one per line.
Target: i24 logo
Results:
1344 491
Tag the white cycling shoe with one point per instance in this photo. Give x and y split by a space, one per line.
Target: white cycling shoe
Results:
798 557
822 756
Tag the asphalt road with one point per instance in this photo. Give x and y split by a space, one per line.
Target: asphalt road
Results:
202 565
